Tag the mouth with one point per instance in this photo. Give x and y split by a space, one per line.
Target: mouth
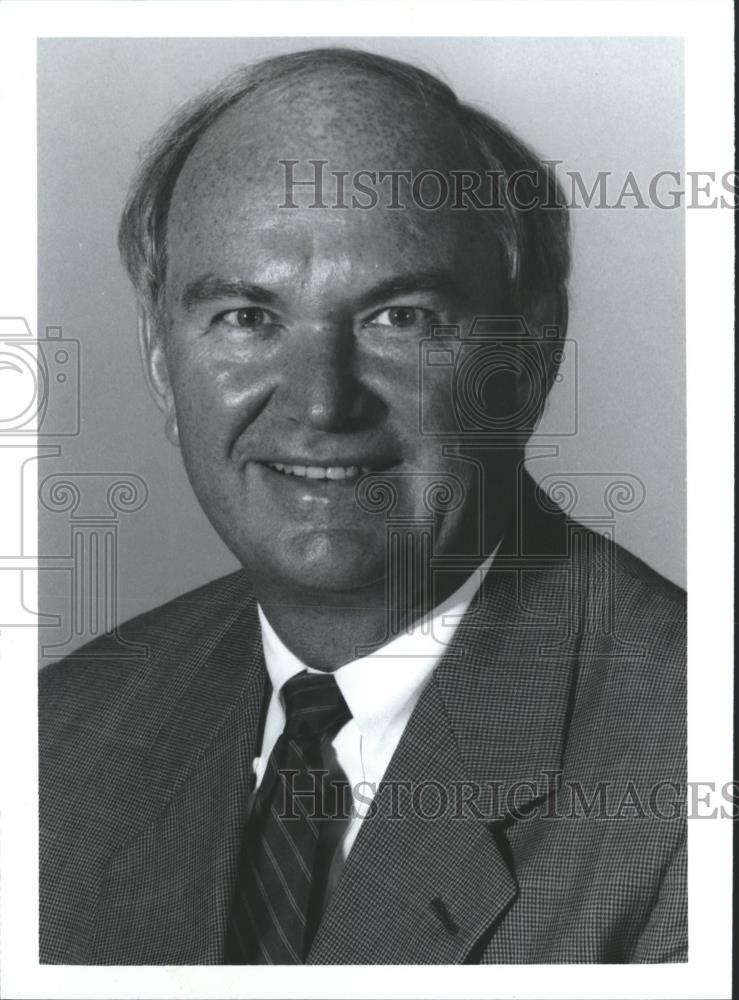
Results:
335 473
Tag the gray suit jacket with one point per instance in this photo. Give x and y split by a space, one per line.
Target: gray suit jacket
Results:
528 811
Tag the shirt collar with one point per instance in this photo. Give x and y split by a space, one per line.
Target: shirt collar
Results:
379 687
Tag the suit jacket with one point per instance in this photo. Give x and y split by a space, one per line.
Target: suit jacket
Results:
537 791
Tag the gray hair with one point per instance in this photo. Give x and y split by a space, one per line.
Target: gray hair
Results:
535 241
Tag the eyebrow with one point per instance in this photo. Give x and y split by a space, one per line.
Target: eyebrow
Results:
436 280
209 287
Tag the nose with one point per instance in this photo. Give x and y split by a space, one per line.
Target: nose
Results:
323 387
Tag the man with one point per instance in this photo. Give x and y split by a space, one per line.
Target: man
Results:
433 720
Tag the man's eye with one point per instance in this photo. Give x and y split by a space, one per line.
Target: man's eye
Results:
246 318
398 317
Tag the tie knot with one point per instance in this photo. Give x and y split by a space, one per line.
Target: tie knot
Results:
314 706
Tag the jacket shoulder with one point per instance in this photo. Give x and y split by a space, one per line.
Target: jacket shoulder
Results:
120 729
645 582
92 675
646 604
631 697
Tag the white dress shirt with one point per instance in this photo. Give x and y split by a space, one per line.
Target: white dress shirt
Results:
381 691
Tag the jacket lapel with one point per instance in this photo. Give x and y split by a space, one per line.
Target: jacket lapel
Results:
166 894
430 877
416 890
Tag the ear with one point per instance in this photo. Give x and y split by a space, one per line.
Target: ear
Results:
546 319
156 373
550 320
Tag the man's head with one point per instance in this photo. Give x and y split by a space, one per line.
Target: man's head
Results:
283 343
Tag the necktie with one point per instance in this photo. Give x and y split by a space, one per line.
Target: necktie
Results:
297 817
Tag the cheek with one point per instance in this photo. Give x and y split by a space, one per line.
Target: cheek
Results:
433 417
212 394
415 386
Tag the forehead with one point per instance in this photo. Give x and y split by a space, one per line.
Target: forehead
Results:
228 203
355 121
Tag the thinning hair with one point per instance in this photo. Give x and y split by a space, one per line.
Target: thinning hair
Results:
534 241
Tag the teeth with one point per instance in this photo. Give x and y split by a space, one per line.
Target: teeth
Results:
320 471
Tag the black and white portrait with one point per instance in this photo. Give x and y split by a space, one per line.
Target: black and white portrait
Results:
362 501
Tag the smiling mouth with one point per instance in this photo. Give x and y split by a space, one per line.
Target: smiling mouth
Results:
329 472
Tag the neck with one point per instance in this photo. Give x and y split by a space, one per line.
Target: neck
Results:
326 631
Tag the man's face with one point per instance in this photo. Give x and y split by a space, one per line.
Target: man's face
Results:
290 360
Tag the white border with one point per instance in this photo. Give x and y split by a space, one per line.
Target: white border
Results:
707 31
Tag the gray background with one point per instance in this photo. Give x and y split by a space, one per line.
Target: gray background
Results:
613 104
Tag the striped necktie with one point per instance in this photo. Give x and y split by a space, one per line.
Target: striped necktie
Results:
298 815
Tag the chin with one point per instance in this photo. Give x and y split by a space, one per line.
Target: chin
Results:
324 561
